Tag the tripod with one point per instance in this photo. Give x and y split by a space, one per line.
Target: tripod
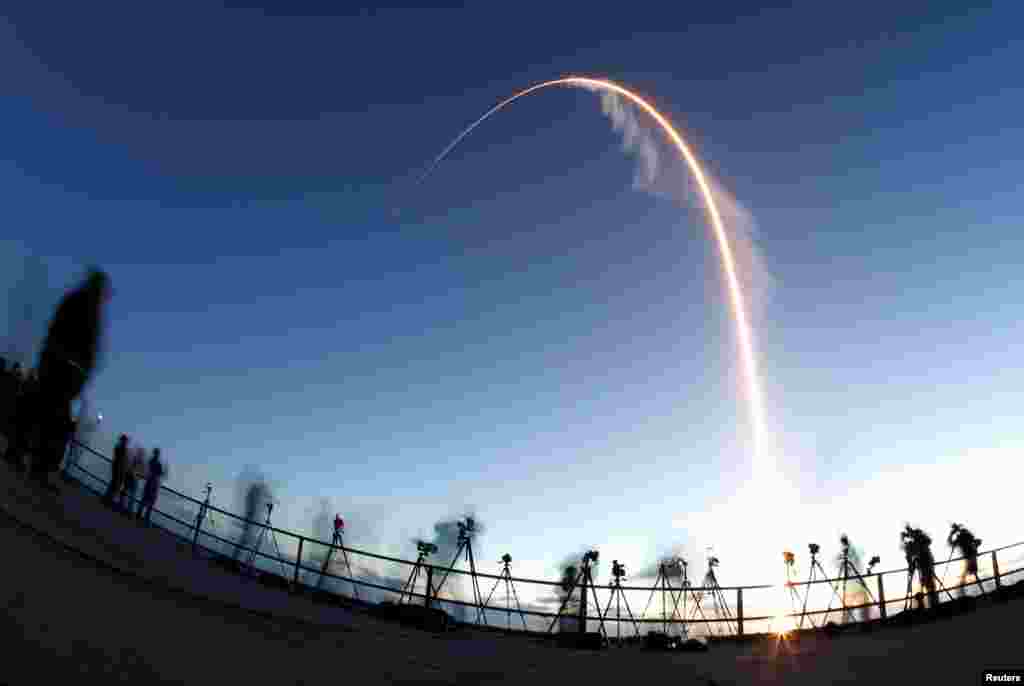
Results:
717 597
410 585
466 545
619 572
815 568
915 568
848 567
259 544
337 543
794 594
506 576
585 580
663 584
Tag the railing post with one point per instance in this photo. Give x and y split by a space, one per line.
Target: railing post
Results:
739 611
995 569
881 597
430 586
298 562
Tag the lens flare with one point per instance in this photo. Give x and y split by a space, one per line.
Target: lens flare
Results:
744 332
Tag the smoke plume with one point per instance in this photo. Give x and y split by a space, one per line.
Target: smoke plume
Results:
661 172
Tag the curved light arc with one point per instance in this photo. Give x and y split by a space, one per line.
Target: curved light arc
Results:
744 333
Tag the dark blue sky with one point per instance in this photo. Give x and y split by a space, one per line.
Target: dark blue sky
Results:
530 335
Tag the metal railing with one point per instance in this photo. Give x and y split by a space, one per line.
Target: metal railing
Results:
383 578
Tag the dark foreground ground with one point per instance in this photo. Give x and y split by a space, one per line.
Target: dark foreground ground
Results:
135 608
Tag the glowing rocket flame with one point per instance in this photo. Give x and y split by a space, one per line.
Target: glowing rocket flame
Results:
743 329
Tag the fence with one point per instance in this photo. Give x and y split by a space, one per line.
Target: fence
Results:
684 610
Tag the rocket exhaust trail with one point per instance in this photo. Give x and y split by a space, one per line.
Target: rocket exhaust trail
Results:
744 334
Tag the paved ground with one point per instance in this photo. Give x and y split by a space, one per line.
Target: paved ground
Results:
74 616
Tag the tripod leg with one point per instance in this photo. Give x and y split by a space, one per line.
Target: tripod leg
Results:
255 550
719 598
675 611
565 601
597 604
807 594
697 609
458 552
410 584
607 607
636 627
280 558
475 581
653 591
327 561
519 607
351 575
491 594
835 593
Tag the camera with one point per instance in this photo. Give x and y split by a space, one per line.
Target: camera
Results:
712 561
506 558
814 547
844 541
618 570
590 556
467 528
426 548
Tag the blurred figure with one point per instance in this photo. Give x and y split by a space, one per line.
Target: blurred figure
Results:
23 431
66 363
960 538
133 474
8 393
156 473
256 497
917 548
117 470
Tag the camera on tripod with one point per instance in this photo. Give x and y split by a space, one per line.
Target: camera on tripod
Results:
590 556
426 548
506 558
814 548
872 562
713 561
844 541
618 570
467 528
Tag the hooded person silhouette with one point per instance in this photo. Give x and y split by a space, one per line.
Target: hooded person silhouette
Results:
66 363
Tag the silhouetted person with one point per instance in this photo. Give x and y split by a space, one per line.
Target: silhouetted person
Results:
917 545
66 363
963 540
132 475
257 495
155 475
117 470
